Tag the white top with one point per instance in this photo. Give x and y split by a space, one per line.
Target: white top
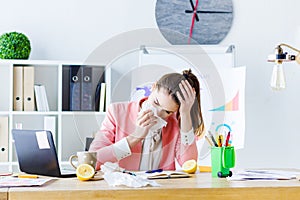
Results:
152 151
152 148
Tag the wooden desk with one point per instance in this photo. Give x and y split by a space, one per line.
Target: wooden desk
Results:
201 186
3 193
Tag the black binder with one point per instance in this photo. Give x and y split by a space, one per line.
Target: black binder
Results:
81 87
87 102
75 88
66 88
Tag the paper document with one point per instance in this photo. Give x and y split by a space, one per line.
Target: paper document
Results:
21 182
263 175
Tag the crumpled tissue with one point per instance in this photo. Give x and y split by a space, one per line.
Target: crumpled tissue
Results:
117 176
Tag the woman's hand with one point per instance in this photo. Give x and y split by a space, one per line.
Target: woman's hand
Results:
186 102
188 98
145 120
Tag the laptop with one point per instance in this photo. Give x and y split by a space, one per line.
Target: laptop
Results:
36 153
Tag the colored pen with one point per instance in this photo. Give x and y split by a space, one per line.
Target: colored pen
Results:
128 172
220 140
212 139
227 139
154 170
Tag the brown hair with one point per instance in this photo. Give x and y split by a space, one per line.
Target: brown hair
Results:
171 81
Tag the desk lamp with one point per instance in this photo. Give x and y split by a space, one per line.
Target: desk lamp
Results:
278 79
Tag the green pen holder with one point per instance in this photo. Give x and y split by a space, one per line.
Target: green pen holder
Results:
222 159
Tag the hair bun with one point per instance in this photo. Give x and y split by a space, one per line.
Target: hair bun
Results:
191 78
185 76
186 73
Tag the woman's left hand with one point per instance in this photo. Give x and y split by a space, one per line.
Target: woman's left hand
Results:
188 97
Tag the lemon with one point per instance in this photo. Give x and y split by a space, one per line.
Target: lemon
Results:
190 166
85 172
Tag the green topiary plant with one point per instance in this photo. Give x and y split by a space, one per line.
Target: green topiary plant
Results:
14 45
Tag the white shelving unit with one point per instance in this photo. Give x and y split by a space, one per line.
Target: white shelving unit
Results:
72 127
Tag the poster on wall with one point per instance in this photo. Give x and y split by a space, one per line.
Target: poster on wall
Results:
231 113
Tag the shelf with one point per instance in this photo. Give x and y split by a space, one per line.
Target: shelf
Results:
82 113
34 113
69 127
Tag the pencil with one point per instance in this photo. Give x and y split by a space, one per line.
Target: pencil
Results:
212 139
27 176
209 142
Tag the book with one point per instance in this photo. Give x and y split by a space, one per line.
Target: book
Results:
41 98
102 97
18 88
44 97
28 88
165 175
97 96
98 78
38 98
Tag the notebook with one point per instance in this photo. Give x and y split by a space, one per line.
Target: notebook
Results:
36 153
165 174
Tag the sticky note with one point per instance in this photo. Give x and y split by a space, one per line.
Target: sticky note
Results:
42 139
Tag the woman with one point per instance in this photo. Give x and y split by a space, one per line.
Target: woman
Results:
153 132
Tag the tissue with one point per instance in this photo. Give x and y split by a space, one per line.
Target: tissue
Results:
160 122
115 176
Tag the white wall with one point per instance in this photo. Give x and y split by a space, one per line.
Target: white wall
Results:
72 29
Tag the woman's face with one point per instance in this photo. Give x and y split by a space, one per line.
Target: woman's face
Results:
163 102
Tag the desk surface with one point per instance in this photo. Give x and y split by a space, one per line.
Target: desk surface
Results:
200 186
3 193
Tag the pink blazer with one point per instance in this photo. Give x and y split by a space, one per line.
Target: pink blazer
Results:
120 122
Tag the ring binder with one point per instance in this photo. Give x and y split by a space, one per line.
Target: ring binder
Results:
87 89
28 88
18 88
66 88
75 88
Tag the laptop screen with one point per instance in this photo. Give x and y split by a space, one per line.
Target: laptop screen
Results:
36 152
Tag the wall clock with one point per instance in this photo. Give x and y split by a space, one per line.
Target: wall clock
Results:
194 21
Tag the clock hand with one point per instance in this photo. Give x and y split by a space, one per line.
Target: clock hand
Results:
207 11
193 21
193 9
211 11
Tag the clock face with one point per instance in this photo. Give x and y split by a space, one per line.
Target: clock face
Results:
194 21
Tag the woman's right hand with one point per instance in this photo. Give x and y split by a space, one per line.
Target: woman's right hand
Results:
145 120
